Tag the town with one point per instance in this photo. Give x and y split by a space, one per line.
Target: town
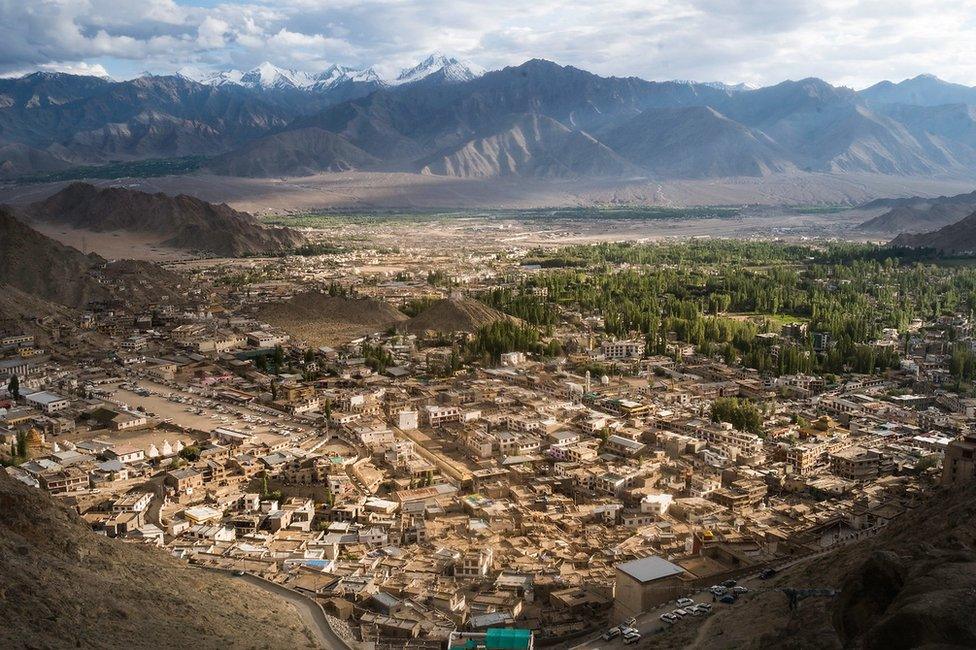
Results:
591 444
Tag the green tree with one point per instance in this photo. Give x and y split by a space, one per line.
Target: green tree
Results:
13 386
741 414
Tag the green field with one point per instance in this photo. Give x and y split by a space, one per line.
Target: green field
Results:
330 219
131 169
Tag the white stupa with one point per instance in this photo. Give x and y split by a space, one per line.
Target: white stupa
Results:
153 451
167 449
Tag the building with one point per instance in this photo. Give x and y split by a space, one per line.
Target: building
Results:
959 464
643 584
48 402
622 349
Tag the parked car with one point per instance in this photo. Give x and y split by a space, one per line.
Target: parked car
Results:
684 602
632 638
680 613
668 618
766 574
728 599
612 633
630 622
739 589
718 590
705 606
728 584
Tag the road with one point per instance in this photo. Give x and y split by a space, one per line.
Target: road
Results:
311 613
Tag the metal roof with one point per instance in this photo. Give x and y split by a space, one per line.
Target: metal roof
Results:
650 568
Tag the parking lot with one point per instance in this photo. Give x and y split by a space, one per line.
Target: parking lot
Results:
201 409
692 610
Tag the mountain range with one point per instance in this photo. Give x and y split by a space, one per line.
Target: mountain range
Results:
445 117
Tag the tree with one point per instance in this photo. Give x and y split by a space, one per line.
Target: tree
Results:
190 453
22 444
13 386
741 414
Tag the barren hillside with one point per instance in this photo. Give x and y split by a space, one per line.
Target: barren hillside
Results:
61 585
321 319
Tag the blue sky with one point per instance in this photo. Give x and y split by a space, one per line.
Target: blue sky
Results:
847 42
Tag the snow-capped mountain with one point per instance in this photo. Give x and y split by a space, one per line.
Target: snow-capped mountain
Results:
441 67
270 76
267 76
336 75
718 85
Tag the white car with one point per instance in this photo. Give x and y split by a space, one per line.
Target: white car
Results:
684 602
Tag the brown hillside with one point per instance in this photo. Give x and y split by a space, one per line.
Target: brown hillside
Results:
910 587
187 222
958 237
47 269
454 315
321 319
61 585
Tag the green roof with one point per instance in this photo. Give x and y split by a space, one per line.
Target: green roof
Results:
503 638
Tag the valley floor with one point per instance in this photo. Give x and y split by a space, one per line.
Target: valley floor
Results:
373 190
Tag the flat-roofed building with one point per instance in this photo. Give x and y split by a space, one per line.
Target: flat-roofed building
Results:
644 583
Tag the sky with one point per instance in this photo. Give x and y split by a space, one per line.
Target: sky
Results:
846 42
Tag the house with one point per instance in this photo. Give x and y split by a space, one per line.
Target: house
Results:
125 454
184 481
59 481
959 464
132 502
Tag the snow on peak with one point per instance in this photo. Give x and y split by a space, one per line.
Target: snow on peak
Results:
339 74
449 69
268 75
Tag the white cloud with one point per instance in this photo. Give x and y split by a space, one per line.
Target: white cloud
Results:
854 42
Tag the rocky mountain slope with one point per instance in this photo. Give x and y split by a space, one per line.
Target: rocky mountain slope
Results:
44 268
184 221
958 237
320 319
918 214
909 587
61 585
696 142
533 146
301 152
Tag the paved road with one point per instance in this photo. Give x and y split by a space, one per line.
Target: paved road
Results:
312 615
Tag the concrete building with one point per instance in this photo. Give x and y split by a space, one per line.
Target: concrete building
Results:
643 584
959 465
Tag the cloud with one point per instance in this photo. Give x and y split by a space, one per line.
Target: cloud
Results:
853 42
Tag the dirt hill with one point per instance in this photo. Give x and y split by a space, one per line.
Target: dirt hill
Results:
186 222
917 214
47 269
958 237
61 585
910 587
321 319
454 315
